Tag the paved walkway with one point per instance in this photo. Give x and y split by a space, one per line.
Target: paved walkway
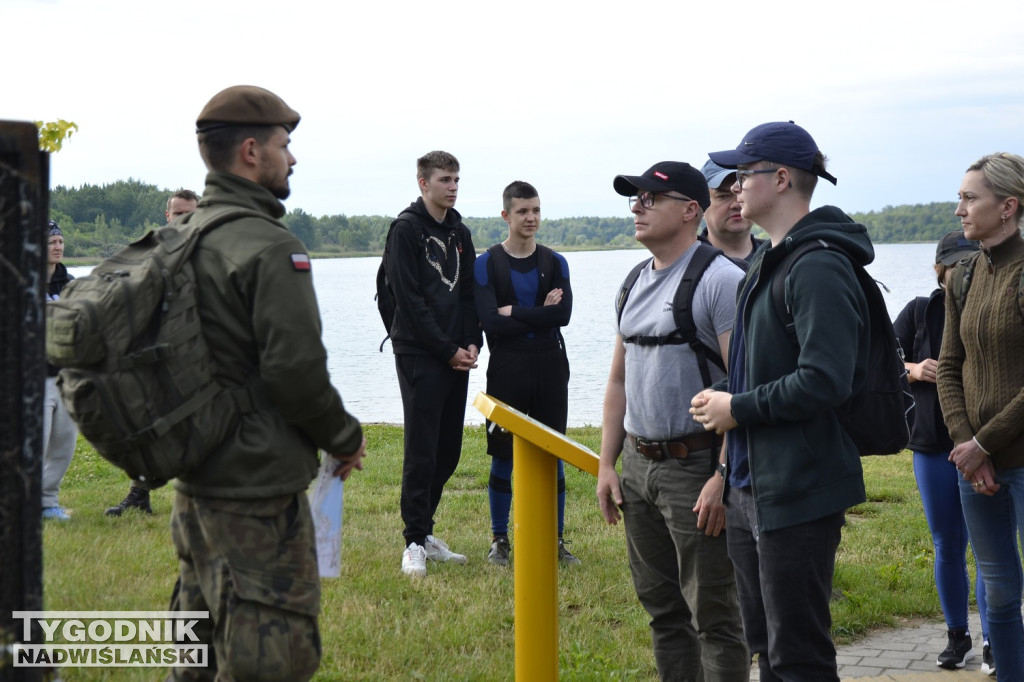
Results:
906 655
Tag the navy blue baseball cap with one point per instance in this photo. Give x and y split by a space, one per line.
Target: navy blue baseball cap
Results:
667 176
782 142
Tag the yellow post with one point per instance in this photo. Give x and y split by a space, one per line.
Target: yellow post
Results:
535 519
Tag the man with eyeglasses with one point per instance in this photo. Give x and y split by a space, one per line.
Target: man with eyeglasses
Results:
792 471
670 491
725 226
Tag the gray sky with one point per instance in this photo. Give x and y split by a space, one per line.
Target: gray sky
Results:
901 96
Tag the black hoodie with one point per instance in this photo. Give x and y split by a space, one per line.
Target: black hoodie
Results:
431 273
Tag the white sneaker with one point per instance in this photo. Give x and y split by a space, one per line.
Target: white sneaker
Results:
437 550
414 561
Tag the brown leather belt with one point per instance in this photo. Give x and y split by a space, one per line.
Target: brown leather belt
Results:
677 448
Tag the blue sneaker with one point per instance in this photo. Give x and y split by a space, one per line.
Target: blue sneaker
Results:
56 513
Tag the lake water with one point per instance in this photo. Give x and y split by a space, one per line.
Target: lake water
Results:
366 378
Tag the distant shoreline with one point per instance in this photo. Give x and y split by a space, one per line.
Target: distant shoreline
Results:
85 262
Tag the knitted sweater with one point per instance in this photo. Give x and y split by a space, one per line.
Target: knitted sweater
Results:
981 368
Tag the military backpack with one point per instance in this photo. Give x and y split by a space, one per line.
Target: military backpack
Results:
137 375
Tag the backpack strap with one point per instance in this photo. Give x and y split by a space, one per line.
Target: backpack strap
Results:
627 286
501 264
1020 293
960 280
782 308
502 270
382 277
920 326
682 311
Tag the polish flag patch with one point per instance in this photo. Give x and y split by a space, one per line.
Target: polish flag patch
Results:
300 261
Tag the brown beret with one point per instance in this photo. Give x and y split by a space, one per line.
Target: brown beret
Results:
246 105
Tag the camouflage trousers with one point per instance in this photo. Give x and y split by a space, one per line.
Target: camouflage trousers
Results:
252 565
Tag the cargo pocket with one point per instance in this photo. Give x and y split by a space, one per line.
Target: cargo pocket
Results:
270 629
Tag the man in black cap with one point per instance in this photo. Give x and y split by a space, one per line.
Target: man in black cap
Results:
241 522
670 492
792 470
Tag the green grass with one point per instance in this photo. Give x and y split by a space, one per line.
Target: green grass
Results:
457 624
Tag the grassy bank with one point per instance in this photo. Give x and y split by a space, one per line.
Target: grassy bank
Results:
457 624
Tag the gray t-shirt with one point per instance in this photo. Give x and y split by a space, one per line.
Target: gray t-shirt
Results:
661 380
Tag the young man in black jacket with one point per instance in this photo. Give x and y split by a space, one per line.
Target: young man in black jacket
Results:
436 340
792 469
523 299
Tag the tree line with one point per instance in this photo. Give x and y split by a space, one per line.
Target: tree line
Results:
100 220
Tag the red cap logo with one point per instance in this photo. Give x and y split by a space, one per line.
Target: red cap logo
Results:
660 175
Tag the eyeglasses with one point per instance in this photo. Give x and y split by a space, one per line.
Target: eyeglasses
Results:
742 175
646 199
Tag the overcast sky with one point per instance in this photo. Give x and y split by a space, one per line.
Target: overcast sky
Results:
900 95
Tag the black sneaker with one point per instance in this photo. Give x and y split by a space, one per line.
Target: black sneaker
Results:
988 664
958 651
565 556
137 498
499 551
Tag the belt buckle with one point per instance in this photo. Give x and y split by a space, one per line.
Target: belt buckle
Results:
652 450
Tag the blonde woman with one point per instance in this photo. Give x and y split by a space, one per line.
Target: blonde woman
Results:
981 390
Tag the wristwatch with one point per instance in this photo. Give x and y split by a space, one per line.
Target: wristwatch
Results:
721 469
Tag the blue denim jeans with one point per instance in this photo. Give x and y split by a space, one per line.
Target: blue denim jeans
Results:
993 523
683 577
938 481
784 579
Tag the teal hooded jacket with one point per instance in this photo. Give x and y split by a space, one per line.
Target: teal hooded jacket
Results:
803 465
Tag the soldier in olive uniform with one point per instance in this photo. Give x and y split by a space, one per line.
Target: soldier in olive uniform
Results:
241 521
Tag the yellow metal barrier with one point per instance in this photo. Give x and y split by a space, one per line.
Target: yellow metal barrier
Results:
535 520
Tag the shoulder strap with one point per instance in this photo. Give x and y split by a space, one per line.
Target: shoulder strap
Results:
1020 293
782 307
502 275
960 279
682 310
682 304
185 233
545 271
401 216
627 285
502 267
920 326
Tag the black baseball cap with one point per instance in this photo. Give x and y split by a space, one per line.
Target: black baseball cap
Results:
667 176
782 142
952 247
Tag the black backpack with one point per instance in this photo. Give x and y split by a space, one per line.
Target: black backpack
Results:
384 297
682 311
137 374
875 417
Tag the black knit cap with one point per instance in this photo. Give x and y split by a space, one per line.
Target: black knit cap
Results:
246 105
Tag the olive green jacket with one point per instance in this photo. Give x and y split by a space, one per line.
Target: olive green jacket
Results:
981 375
262 323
